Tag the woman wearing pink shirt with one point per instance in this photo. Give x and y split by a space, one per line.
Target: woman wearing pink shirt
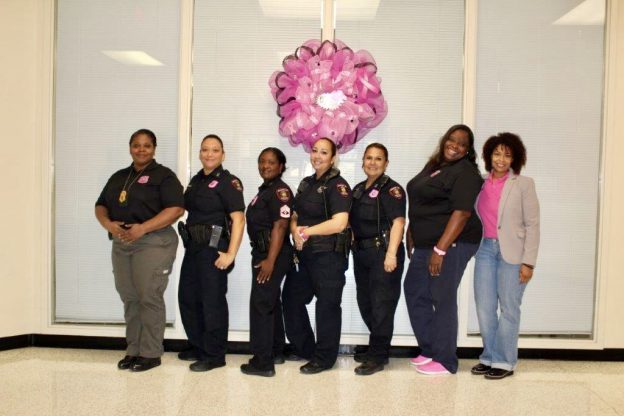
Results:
509 211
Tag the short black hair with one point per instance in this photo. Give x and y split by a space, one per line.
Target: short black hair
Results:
511 141
281 157
146 132
215 137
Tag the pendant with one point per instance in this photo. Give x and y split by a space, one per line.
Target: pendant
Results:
122 197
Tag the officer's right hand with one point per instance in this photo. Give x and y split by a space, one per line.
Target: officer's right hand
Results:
115 228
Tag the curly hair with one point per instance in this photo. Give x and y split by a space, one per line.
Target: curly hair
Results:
508 141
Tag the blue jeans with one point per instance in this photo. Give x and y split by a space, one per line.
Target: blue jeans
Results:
497 284
432 302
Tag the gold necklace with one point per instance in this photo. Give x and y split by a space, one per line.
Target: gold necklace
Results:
123 196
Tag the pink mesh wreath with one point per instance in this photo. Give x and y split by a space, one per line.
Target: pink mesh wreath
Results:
327 90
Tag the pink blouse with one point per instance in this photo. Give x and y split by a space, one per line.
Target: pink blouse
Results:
487 206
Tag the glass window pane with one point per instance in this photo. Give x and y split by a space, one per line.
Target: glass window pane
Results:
540 72
116 72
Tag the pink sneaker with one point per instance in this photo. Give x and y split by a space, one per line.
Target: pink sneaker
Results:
420 360
432 368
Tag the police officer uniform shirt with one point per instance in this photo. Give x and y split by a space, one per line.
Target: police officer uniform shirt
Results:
209 197
435 194
311 205
147 193
375 208
273 202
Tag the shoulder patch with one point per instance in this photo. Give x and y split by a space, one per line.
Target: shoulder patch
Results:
285 211
342 189
237 185
396 192
283 194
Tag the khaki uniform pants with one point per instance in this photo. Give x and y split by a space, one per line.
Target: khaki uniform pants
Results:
141 272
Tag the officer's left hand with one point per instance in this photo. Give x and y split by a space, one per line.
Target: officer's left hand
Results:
435 264
133 233
390 263
265 272
224 261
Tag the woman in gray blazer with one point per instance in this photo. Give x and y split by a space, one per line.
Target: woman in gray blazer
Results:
509 210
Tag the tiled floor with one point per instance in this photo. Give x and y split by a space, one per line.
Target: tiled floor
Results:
42 381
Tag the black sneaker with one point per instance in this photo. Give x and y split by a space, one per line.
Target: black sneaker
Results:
249 369
206 365
312 368
368 368
480 369
144 364
498 373
126 362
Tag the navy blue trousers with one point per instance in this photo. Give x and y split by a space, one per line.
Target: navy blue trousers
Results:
321 275
378 294
432 302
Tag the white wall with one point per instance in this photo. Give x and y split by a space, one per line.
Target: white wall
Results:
25 39
19 158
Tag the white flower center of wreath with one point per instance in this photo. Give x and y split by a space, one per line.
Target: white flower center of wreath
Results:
331 100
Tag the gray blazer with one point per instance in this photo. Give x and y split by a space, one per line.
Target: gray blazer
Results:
518 220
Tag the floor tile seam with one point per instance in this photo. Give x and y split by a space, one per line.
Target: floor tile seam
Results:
602 399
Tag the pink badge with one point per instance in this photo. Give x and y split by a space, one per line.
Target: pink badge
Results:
373 193
213 184
143 179
253 201
434 173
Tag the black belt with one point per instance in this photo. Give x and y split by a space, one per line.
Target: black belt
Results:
365 243
201 233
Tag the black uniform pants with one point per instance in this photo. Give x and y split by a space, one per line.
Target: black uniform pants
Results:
202 301
378 294
320 275
266 322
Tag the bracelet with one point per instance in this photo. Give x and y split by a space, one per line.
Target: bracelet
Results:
303 234
438 251
529 266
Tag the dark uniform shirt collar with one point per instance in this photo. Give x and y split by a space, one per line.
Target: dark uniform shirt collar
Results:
267 184
332 172
151 166
217 172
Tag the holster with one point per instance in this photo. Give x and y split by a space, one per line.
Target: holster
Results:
262 241
213 235
184 235
343 242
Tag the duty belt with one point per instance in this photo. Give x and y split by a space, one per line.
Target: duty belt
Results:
380 241
368 243
201 233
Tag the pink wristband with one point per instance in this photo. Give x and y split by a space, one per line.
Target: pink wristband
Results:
303 234
438 251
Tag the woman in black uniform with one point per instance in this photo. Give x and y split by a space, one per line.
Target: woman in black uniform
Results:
268 216
443 234
214 228
137 207
378 219
321 214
